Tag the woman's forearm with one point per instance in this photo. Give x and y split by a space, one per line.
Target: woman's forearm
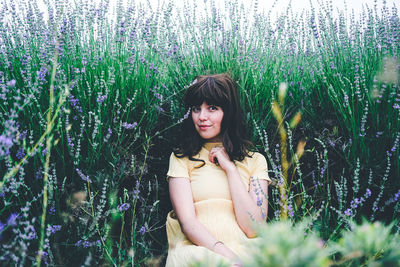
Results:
199 235
246 210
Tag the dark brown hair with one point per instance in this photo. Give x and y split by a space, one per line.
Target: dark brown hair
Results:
222 91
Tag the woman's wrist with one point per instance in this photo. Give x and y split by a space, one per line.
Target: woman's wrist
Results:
217 243
220 248
230 168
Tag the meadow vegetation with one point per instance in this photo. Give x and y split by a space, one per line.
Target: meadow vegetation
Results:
91 107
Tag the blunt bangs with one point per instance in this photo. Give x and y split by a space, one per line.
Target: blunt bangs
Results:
206 90
219 90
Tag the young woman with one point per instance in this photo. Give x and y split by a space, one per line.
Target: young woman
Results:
218 188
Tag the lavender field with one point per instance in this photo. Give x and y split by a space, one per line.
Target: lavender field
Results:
91 107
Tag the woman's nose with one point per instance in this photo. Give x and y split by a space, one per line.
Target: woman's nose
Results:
203 115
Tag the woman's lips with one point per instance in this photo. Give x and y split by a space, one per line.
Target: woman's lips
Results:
204 127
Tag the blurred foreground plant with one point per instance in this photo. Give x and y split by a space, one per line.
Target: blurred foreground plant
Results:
283 244
368 244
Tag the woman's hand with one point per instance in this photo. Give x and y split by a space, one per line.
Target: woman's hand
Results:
221 249
219 156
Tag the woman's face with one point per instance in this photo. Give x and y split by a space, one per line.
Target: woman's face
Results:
207 121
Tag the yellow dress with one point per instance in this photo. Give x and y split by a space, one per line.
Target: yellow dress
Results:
213 206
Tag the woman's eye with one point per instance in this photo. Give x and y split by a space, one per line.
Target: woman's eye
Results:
195 108
213 108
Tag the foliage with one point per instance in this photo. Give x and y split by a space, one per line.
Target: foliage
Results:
284 244
90 106
369 244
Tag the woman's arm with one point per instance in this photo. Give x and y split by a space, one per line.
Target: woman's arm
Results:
182 201
244 202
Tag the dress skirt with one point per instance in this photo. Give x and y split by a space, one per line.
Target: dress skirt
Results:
218 216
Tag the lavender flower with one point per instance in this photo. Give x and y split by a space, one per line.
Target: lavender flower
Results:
52 210
129 126
42 74
142 230
53 229
185 116
290 210
31 233
83 177
20 153
107 137
348 212
101 98
5 144
368 192
86 244
124 207
12 220
11 83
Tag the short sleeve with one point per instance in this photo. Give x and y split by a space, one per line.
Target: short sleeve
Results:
178 167
260 168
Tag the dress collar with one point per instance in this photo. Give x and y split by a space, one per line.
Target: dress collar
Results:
210 145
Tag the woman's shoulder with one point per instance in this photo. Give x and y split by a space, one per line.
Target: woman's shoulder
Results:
175 156
254 156
252 159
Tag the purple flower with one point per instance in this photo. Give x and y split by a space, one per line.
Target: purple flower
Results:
135 193
159 109
5 144
142 230
101 99
73 101
158 96
348 212
42 74
129 126
331 143
11 83
31 233
20 153
2 226
53 229
290 210
124 207
83 177
86 244
12 220
368 192
52 210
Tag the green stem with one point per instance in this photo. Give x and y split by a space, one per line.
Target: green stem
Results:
49 139
135 202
